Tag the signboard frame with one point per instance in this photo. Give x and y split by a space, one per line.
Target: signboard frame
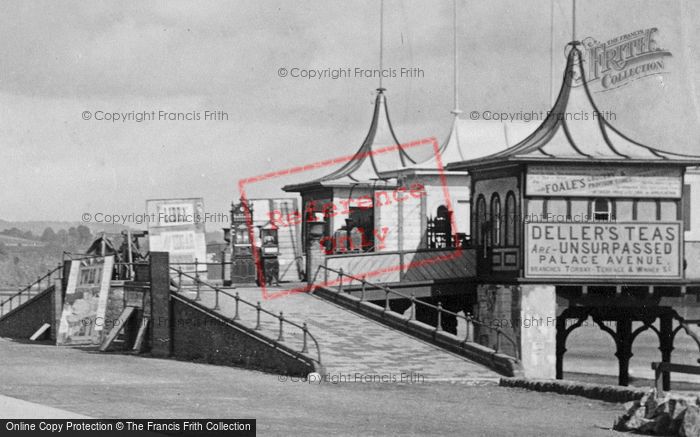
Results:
90 320
160 231
567 173
610 278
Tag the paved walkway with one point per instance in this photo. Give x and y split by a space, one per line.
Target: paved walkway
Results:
351 343
123 386
12 408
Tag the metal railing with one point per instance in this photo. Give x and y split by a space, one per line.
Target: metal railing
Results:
15 300
468 318
258 308
197 264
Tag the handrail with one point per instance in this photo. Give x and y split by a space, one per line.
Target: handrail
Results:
395 252
28 289
223 263
440 310
303 327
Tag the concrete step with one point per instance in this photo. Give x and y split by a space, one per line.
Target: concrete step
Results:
352 346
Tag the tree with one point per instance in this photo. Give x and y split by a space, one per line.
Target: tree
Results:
62 236
84 235
73 234
14 232
48 235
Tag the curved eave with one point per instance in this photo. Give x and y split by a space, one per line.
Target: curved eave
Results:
474 165
318 185
363 167
425 172
554 142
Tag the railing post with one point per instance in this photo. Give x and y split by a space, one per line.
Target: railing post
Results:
196 279
364 286
438 328
216 298
340 278
236 316
257 324
281 336
386 299
305 348
179 279
469 322
498 341
223 268
413 307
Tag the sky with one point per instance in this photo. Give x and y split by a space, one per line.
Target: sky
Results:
61 59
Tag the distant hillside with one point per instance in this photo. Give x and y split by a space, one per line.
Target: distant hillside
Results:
37 227
29 249
8 240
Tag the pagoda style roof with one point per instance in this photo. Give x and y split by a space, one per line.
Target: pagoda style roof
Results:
472 139
379 154
576 131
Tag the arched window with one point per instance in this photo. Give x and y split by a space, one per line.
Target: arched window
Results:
602 209
496 219
480 219
510 220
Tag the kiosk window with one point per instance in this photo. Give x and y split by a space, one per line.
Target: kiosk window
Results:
496 219
480 218
511 217
602 209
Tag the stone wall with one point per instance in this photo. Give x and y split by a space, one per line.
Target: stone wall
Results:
200 336
526 313
497 307
24 320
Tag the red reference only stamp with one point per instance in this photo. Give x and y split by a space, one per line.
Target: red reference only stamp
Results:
384 229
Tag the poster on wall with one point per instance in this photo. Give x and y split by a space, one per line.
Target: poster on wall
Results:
85 303
177 227
587 181
590 250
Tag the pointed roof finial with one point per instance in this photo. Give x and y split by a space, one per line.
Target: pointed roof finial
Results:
591 139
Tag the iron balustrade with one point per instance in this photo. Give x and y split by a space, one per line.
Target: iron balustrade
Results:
257 307
440 310
28 290
198 263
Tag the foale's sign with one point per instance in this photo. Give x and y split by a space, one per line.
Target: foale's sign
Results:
584 181
609 250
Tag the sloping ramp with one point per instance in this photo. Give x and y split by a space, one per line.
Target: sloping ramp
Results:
354 346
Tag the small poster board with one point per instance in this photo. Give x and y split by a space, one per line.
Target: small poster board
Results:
85 304
177 227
